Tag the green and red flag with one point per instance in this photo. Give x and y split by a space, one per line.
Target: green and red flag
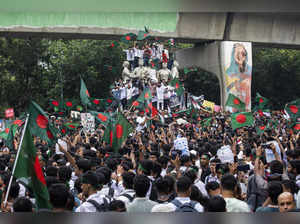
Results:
108 133
151 109
235 102
79 108
142 35
243 119
55 104
71 125
128 37
296 126
4 134
122 129
261 101
29 171
261 129
293 109
178 86
39 124
12 132
114 44
69 105
264 112
145 96
84 94
103 118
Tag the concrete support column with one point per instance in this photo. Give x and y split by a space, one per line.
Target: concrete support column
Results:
230 61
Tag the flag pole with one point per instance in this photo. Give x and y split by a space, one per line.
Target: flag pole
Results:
16 160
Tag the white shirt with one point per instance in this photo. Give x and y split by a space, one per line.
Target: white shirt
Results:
126 200
198 206
89 207
123 91
160 92
201 186
139 121
129 55
129 93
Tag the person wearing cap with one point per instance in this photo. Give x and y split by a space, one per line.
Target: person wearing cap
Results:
90 184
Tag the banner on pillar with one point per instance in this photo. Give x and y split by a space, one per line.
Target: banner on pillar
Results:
237 66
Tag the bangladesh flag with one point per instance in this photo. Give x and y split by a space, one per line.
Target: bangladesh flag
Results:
261 101
243 119
101 117
79 108
150 109
178 86
39 124
114 44
28 169
261 129
293 109
84 94
128 37
296 127
71 125
142 35
235 102
69 105
55 105
108 133
264 112
11 134
4 134
145 96
122 128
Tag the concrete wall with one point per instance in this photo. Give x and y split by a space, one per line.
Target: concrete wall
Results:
265 29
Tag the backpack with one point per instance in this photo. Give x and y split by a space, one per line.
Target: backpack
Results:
130 198
100 208
111 191
186 207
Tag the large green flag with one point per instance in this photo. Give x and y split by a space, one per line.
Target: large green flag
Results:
4 134
84 94
239 120
235 102
178 86
121 130
11 134
128 37
145 96
103 118
28 170
39 124
293 109
108 133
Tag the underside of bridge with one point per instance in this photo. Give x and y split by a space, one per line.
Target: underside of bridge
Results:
262 29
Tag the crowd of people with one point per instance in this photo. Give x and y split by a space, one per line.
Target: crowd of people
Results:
178 165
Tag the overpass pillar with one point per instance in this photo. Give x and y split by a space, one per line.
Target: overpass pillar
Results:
230 61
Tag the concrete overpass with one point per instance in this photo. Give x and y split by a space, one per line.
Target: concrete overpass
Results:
262 29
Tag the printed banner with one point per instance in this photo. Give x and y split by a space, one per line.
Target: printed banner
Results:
88 122
208 105
237 65
9 113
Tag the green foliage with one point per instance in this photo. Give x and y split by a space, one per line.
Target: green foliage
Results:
201 82
42 69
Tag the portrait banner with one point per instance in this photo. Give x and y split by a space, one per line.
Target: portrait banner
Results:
236 60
